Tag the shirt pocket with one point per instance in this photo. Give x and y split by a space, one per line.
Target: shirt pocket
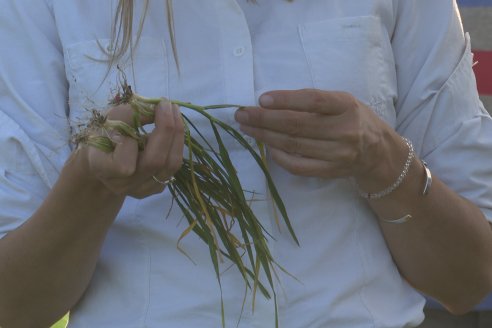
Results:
92 83
353 54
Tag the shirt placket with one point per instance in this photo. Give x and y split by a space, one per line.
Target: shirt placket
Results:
237 56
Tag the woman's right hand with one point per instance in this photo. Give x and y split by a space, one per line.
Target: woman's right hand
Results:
139 173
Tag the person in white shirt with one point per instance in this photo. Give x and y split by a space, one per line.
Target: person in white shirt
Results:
348 96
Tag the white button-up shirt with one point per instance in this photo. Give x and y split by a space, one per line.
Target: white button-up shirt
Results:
407 59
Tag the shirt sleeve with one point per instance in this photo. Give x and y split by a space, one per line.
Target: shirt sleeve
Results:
438 106
34 129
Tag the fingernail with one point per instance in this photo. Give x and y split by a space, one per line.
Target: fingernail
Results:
241 116
266 100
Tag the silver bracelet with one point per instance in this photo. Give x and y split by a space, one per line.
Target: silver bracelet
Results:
401 220
428 179
425 192
399 180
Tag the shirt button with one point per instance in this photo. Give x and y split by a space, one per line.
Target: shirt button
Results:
239 51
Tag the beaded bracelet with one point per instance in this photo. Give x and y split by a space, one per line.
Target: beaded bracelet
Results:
399 180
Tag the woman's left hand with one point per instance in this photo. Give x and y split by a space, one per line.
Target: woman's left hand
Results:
317 133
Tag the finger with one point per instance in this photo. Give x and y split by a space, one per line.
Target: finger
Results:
175 156
308 167
313 148
121 163
148 188
164 151
309 125
309 100
125 155
127 114
174 159
137 186
160 140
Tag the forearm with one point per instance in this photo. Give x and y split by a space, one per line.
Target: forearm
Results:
445 249
47 263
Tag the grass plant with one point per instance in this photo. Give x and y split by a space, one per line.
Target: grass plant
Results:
207 189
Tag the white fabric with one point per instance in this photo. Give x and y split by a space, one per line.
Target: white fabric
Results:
407 59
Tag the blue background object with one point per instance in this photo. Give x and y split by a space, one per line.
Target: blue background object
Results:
474 3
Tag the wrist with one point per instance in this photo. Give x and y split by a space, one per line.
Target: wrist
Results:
79 201
382 163
411 161
396 182
76 175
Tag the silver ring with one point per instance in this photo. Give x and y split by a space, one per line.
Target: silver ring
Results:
163 182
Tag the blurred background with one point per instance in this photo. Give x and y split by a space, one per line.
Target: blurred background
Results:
477 20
